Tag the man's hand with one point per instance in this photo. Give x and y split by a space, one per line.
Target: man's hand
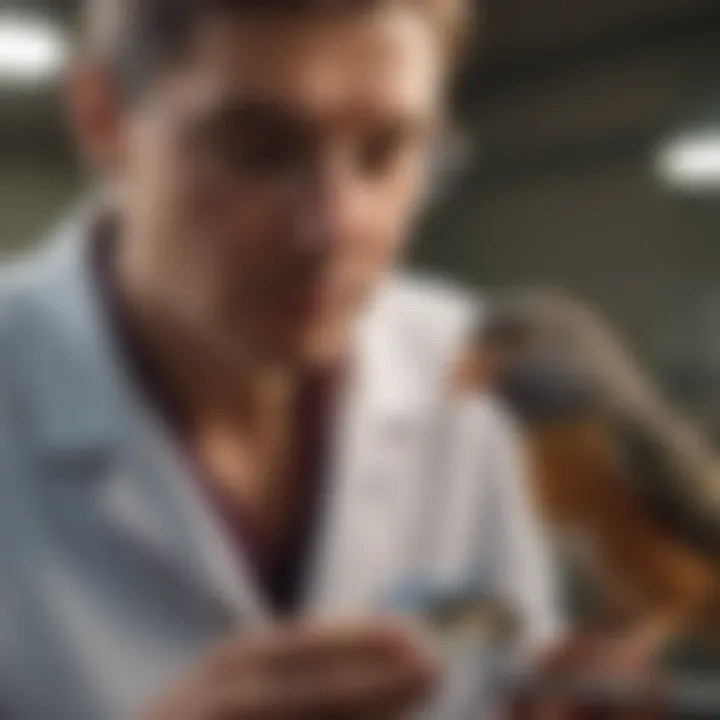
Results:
591 657
364 670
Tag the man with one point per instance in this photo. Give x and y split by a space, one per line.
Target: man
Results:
227 437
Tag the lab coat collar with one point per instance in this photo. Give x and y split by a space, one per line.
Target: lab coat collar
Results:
73 374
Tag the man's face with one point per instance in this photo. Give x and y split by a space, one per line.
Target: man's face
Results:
269 181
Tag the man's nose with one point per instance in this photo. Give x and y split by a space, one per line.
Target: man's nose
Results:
329 207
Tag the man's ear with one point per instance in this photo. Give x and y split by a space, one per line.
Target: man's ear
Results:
95 113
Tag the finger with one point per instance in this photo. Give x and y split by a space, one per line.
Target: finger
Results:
367 693
648 708
363 687
567 655
298 647
521 708
370 700
561 709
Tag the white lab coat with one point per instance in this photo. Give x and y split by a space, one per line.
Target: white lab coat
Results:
114 571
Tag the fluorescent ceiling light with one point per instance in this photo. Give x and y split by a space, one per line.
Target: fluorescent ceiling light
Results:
691 161
31 49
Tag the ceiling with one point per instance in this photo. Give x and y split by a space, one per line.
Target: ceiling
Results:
519 27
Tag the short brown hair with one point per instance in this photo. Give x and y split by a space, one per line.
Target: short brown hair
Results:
142 36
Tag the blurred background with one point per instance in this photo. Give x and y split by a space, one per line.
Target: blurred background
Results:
587 157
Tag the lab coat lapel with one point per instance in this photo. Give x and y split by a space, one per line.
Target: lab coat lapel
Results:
376 475
93 424
218 565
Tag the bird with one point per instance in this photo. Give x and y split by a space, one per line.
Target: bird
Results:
630 491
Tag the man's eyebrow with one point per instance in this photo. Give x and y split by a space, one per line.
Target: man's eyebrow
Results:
269 113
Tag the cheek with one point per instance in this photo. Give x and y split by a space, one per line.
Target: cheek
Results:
158 186
239 240
382 242
375 249
221 229
389 217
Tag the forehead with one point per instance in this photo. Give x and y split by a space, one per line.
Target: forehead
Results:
333 68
